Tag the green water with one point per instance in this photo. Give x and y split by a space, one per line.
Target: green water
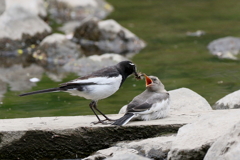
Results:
178 60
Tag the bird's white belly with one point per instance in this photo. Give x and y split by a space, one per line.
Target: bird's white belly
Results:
157 111
98 91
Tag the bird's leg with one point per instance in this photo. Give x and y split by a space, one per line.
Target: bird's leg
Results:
106 118
92 105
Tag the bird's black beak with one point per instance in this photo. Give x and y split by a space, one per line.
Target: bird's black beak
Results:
148 80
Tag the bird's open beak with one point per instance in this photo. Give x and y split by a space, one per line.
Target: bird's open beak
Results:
148 80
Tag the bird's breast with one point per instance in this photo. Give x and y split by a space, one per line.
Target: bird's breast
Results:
100 90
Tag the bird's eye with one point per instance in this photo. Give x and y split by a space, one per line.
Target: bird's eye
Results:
154 79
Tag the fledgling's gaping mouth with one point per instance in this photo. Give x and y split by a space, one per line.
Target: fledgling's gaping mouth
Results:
148 80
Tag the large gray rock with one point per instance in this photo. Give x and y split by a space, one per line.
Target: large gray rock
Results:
44 137
20 28
69 10
227 47
227 147
182 101
107 36
155 148
230 101
35 7
90 64
56 49
193 140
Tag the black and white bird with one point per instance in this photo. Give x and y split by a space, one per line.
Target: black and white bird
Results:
151 104
98 85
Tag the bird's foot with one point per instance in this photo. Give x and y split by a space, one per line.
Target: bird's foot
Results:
104 121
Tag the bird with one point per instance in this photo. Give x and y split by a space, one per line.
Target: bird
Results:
97 85
153 103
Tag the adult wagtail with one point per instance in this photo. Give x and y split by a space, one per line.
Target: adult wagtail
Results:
151 104
98 85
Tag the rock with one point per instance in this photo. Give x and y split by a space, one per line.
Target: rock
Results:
193 140
227 47
155 148
69 10
110 152
184 100
35 7
14 76
2 6
56 49
230 101
75 137
68 28
107 36
90 64
19 29
227 146
124 156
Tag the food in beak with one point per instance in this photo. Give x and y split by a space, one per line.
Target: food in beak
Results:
138 75
148 80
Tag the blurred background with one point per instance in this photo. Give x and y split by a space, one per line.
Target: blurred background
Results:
192 44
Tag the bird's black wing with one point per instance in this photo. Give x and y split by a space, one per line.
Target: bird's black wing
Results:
89 79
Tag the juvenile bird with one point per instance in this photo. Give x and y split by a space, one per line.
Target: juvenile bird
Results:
98 85
151 104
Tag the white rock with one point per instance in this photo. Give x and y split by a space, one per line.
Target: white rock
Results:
193 140
54 38
186 100
227 147
74 3
79 10
17 26
112 28
230 101
15 22
227 47
107 36
57 49
35 7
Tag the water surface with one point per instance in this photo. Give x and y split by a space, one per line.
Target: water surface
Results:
178 60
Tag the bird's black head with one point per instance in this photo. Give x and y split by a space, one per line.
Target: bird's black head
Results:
126 68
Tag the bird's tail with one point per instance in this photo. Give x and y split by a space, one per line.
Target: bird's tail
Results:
41 91
124 120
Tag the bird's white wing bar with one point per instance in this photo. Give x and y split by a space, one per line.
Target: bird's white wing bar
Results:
98 80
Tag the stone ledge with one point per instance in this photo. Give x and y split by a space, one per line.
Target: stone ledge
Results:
71 137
